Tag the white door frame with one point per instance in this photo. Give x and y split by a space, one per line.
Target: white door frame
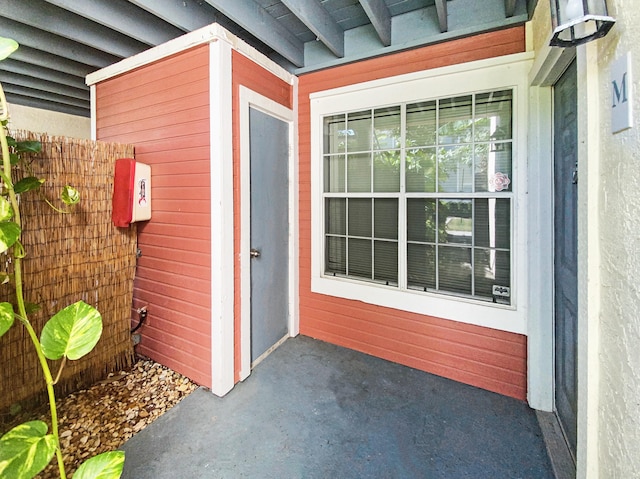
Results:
549 65
251 99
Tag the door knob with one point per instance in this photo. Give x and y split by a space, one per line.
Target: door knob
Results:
254 253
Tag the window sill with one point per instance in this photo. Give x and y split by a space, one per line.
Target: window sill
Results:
479 313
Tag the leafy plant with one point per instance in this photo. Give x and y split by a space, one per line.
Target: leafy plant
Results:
69 335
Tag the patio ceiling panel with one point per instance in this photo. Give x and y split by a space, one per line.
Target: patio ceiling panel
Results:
64 40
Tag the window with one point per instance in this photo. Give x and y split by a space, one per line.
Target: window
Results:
428 184
418 192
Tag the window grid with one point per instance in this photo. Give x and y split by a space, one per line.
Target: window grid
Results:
403 196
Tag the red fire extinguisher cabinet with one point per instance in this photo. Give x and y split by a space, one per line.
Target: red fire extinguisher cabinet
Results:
131 192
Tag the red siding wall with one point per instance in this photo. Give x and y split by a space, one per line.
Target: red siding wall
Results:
249 74
163 109
482 357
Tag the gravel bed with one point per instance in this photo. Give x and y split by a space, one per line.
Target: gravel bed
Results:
104 416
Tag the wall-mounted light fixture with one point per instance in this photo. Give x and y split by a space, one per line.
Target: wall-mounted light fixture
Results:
578 21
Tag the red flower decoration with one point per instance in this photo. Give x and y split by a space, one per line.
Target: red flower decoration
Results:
499 181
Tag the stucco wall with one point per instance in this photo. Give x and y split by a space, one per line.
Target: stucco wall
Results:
50 122
540 25
619 200
609 254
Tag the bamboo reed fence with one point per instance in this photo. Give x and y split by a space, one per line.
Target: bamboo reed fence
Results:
70 257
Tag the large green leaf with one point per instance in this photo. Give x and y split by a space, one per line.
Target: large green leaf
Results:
6 317
7 47
26 450
107 465
27 184
28 146
71 332
9 234
6 211
70 195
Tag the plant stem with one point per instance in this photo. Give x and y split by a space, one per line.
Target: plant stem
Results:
22 313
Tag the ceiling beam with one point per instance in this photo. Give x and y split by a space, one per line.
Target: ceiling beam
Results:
10 78
30 36
182 15
42 15
380 18
257 21
123 17
509 8
21 68
44 95
441 9
17 99
318 20
31 56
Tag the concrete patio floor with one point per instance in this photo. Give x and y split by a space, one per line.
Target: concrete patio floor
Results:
315 410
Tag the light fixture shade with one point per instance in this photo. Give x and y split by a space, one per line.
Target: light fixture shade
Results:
578 21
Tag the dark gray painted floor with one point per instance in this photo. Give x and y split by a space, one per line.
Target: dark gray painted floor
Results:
314 410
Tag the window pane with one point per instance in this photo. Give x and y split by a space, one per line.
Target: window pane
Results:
359 127
421 266
386 128
492 268
335 134
493 222
493 167
421 220
335 255
455 123
454 269
359 173
455 171
421 124
421 170
454 217
334 174
493 116
359 258
386 171
385 255
385 218
360 217
335 216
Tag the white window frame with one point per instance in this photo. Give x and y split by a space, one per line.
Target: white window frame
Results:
507 72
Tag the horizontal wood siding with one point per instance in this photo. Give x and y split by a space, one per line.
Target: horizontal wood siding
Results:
247 73
482 357
163 109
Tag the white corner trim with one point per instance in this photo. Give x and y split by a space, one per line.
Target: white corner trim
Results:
294 221
94 115
250 99
208 34
540 355
222 258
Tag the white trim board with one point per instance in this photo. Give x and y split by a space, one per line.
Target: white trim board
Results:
221 180
251 99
